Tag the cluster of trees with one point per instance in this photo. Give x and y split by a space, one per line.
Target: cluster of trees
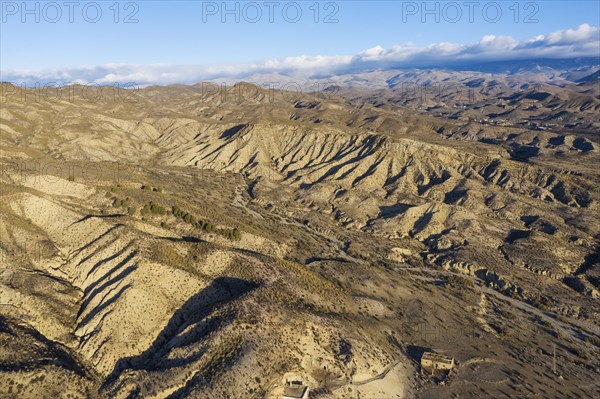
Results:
117 202
232 234
153 207
190 219
186 217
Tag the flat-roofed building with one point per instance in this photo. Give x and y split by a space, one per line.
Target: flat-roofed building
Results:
295 390
436 361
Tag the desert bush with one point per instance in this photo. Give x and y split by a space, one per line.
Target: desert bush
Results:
236 234
593 340
582 353
458 282
232 234
542 321
154 208
507 314
540 302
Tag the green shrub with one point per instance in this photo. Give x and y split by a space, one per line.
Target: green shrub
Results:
507 314
582 353
208 227
153 207
232 234
540 302
458 282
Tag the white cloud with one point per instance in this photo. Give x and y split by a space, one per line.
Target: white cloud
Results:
374 52
585 32
583 35
584 41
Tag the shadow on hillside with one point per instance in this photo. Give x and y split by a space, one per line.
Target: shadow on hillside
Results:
366 149
415 353
95 240
191 239
229 133
522 153
189 324
43 352
390 211
112 215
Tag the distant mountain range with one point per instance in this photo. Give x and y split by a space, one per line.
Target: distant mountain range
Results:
540 70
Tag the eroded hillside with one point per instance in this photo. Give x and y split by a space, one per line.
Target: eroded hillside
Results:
190 244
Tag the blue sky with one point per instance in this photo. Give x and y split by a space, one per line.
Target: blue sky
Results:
175 33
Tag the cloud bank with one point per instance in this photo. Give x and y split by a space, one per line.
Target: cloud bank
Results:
584 41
